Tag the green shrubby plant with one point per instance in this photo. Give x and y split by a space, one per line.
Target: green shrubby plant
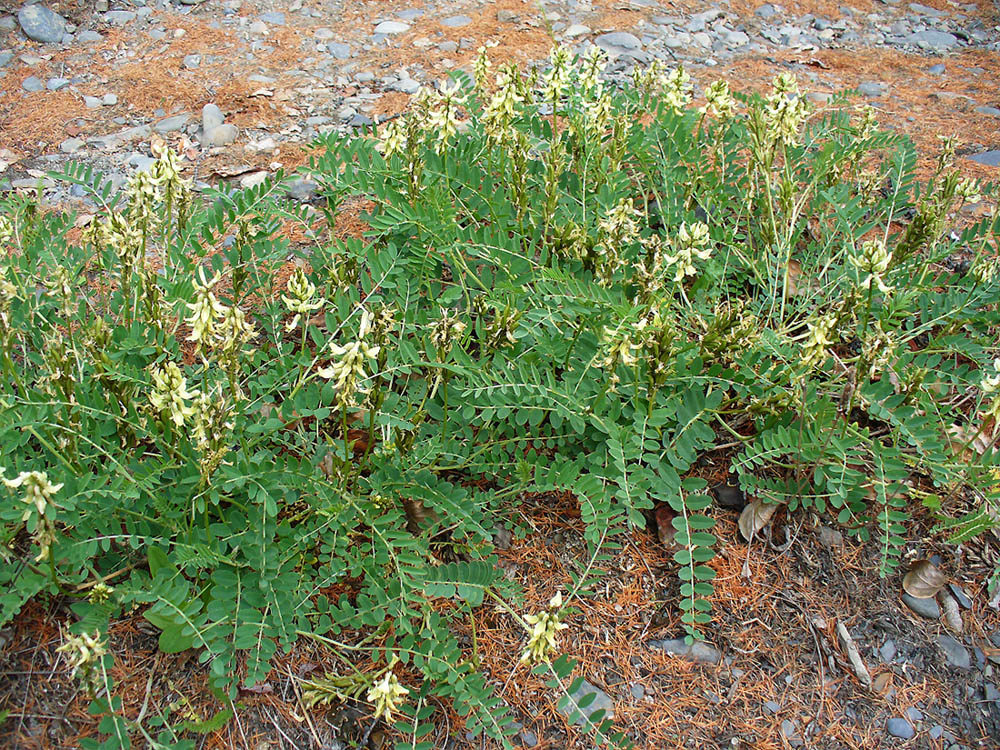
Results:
563 286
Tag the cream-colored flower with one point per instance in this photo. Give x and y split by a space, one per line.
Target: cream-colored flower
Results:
348 366
38 490
545 628
387 695
818 339
873 260
393 139
170 395
719 100
300 299
205 309
692 241
83 652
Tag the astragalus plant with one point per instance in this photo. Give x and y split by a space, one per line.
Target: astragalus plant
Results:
562 285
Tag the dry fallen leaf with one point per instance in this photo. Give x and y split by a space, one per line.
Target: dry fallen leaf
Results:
923 580
949 612
755 517
665 530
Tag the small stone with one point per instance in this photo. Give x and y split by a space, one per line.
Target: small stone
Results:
275 18
5 57
101 6
171 124
119 17
392 27
788 729
617 41
957 591
729 496
92 102
737 39
409 14
925 10
88 37
935 732
506 16
109 100
211 117
302 190
221 135
988 158
192 61
407 86
872 89
71 145
448 47
955 654
924 607
253 179
339 50
994 111
600 701
502 538
888 651
901 728
830 538
637 691
698 651
57 84
32 84
259 28
936 70
577 29
528 738
772 707
456 21
914 714
360 120
991 693
932 39
768 10
41 24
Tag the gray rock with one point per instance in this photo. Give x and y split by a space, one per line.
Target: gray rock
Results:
737 38
172 124
5 57
92 102
87 37
365 76
936 70
768 10
211 117
872 89
989 158
771 707
914 714
617 41
57 84
935 732
991 693
456 21
119 17
41 24
221 135
448 47
900 728
71 145
192 61
924 607
360 120
409 14
927 11
392 27
506 16
600 701
888 651
276 18
637 691
954 652
957 591
32 84
141 162
577 29
407 86
988 111
698 651
339 50
789 730
109 100
932 39
528 738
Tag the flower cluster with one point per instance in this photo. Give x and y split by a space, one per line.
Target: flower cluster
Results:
990 386
818 339
692 241
301 298
503 105
719 100
394 138
442 109
557 77
170 394
386 695
84 654
349 366
446 331
873 260
38 497
545 628
205 309
786 110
